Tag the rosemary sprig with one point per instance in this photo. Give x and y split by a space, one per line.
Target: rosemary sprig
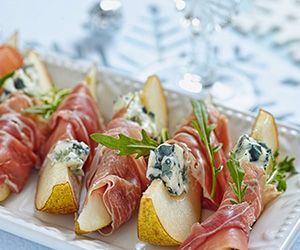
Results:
164 136
204 130
237 174
280 171
127 145
49 103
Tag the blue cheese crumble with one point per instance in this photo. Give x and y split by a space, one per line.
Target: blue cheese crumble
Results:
137 112
24 79
249 150
72 153
167 163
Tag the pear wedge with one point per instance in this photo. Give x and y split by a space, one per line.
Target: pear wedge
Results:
265 130
155 101
45 82
4 191
166 220
94 215
90 80
13 40
57 189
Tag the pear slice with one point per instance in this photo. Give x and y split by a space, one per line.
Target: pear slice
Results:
60 177
167 220
90 79
13 40
45 82
155 101
57 189
94 215
265 130
4 191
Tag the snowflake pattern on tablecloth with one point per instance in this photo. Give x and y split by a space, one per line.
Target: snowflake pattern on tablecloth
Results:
156 34
275 23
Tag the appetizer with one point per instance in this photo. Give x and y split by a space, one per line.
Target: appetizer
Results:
117 182
20 142
172 202
255 179
21 136
17 74
10 58
69 150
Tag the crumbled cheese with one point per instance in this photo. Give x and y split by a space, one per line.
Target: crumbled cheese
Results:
168 164
137 112
72 153
249 150
24 79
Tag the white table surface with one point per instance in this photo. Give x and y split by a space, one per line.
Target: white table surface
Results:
58 27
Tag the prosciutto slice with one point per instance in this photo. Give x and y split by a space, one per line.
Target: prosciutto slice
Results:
120 180
229 226
20 140
10 60
76 118
201 170
16 103
221 131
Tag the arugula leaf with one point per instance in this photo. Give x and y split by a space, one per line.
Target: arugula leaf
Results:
127 145
50 103
204 130
2 79
237 174
280 171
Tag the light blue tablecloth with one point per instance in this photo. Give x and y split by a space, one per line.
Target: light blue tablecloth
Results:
149 33
11 242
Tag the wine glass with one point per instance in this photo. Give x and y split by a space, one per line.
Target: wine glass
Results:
199 71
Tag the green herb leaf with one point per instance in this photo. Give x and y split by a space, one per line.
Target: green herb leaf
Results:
204 130
237 174
127 145
27 66
217 148
50 103
280 171
164 135
219 169
2 79
234 202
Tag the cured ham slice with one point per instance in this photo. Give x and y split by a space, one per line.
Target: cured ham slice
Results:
76 118
202 169
17 102
118 180
221 131
229 226
20 140
10 60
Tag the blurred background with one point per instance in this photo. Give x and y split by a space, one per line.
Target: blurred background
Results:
255 42
246 53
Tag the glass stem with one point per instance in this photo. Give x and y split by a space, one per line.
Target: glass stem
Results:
201 59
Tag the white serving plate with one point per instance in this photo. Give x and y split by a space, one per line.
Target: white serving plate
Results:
275 229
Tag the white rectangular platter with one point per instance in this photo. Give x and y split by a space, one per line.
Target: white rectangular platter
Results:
275 229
